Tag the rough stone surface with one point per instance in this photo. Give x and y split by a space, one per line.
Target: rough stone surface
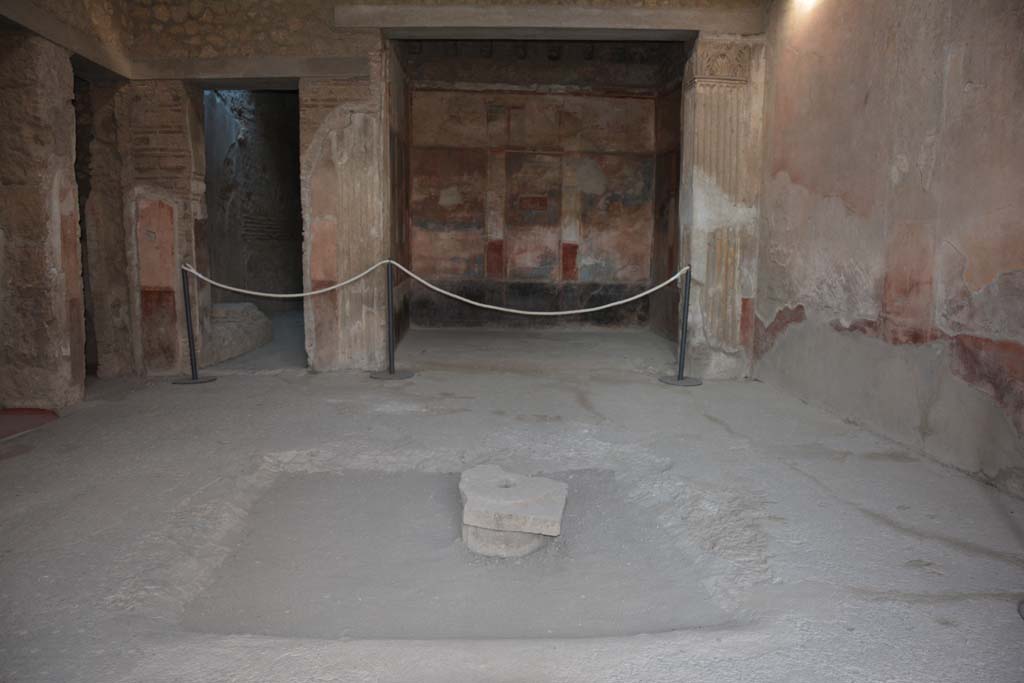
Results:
109 21
493 543
237 328
285 351
504 501
99 169
42 346
345 191
99 30
254 224
210 29
161 142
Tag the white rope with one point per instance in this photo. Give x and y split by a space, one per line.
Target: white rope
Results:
516 311
270 295
519 311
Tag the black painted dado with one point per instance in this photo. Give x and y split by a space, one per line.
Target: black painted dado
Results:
430 309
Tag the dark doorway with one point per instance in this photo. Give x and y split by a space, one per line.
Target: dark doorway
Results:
84 133
254 226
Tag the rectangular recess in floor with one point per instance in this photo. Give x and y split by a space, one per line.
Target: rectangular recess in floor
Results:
377 555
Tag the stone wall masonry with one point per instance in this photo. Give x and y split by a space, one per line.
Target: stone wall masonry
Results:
212 29
161 142
254 225
83 141
345 185
42 348
107 19
892 215
533 19
108 287
98 30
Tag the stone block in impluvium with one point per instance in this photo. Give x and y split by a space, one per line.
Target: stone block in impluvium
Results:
509 515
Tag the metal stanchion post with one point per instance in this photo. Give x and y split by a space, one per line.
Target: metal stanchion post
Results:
679 379
187 300
390 372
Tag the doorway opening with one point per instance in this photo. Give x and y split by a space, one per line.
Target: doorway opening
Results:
544 175
85 132
254 227
107 348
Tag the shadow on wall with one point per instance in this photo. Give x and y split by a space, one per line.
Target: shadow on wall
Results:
254 228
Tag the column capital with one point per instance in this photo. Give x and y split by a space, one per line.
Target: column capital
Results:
719 59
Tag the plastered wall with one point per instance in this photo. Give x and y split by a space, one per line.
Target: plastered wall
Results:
891 266
531 199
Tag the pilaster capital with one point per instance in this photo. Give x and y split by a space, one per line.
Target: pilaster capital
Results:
719 59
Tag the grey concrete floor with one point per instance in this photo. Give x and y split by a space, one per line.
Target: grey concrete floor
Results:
162 533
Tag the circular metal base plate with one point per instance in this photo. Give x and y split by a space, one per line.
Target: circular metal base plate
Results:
397 374
189 380
684 382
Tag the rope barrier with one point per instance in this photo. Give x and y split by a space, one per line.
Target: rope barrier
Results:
516 311
271 295
391 373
